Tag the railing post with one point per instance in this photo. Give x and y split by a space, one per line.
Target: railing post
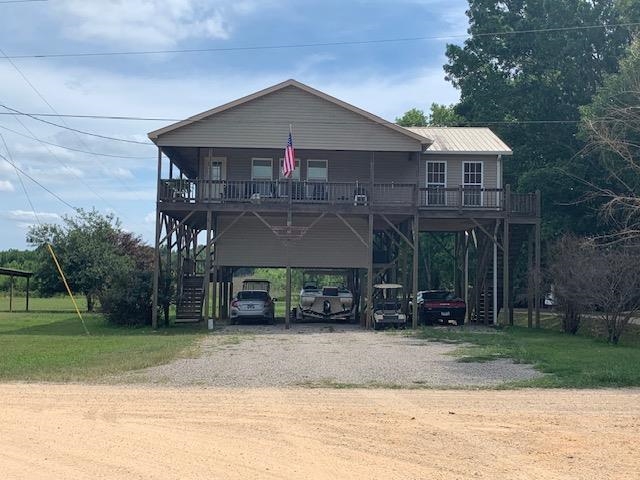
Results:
507 199
460 197
538 205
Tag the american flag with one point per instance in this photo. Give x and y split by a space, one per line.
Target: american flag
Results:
289 159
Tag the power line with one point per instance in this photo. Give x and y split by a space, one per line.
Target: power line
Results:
311 122
71 148
321 44
22 1
38 183
104 137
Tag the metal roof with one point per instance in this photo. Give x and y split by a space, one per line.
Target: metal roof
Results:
15 273
478 140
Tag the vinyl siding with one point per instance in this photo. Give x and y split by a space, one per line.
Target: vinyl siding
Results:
329 244
454 168
264 123
343 166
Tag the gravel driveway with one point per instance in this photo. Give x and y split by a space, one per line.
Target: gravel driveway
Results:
322 355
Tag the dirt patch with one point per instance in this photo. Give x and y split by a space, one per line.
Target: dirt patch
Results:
328 355
74 431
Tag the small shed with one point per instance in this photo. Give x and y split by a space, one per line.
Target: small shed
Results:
11 272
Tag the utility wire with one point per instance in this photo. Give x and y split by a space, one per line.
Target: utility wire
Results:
53 194
72 148
22 1
310 122
323 44
105 137
24 189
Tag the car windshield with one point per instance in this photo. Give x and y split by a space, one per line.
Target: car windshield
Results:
252 295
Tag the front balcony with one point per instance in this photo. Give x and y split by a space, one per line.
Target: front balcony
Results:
347 193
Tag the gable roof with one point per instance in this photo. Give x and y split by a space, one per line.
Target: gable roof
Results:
468 140
423 139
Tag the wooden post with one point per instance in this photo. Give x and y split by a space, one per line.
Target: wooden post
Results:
27 308
530 297
369 312
505 254
537 275
466 274
416 253
156 255
287 307
207 272
11 293
495 276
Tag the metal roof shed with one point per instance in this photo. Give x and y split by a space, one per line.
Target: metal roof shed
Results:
11 272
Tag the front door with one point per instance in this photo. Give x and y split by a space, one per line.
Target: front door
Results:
214 174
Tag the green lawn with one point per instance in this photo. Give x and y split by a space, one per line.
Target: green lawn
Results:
571 361
50 344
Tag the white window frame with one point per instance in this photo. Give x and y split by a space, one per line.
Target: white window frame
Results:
326 162
297 170
431 184
253 178
482 172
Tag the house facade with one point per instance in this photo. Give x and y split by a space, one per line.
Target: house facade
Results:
359 181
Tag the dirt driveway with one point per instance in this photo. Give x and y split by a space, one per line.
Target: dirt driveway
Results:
126 432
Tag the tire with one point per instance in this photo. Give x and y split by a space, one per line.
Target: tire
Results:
377 326
460 323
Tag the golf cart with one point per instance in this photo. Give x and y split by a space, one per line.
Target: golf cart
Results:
387 306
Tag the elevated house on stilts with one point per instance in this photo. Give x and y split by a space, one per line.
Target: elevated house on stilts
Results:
363 192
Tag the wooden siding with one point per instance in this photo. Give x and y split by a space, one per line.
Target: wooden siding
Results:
329 244
264 123
454 169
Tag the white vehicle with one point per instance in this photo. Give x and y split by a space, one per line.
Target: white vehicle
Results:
387 307
328 303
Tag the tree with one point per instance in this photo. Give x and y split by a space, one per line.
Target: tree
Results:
611 125
439 116
603 280
444 116
412 118
509 80
91 250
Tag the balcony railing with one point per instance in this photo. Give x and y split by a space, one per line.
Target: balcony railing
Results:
346 193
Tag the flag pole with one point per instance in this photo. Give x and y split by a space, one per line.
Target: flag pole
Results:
287 308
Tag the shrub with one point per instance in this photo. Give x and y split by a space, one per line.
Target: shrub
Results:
128 300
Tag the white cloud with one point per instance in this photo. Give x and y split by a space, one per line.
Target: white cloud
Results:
6 186
150 23
25 215
150 217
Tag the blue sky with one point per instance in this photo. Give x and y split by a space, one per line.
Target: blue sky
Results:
386 79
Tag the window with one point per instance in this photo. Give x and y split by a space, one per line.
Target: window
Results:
472 183
317 170
261 169
283 186
436 180
296 173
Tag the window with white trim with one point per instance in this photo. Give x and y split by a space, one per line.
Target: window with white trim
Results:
261 169
296 173
472 183
436 180
317 170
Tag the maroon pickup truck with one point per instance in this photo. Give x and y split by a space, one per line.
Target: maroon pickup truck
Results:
435 306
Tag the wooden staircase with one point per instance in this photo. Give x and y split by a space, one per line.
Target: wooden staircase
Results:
189 307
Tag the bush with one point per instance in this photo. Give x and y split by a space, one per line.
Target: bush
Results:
128 300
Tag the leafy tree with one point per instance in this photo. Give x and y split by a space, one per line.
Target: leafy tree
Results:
91 250
439 116
513 81
444 116
412 118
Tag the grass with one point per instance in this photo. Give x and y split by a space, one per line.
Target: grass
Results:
50 345
570 361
